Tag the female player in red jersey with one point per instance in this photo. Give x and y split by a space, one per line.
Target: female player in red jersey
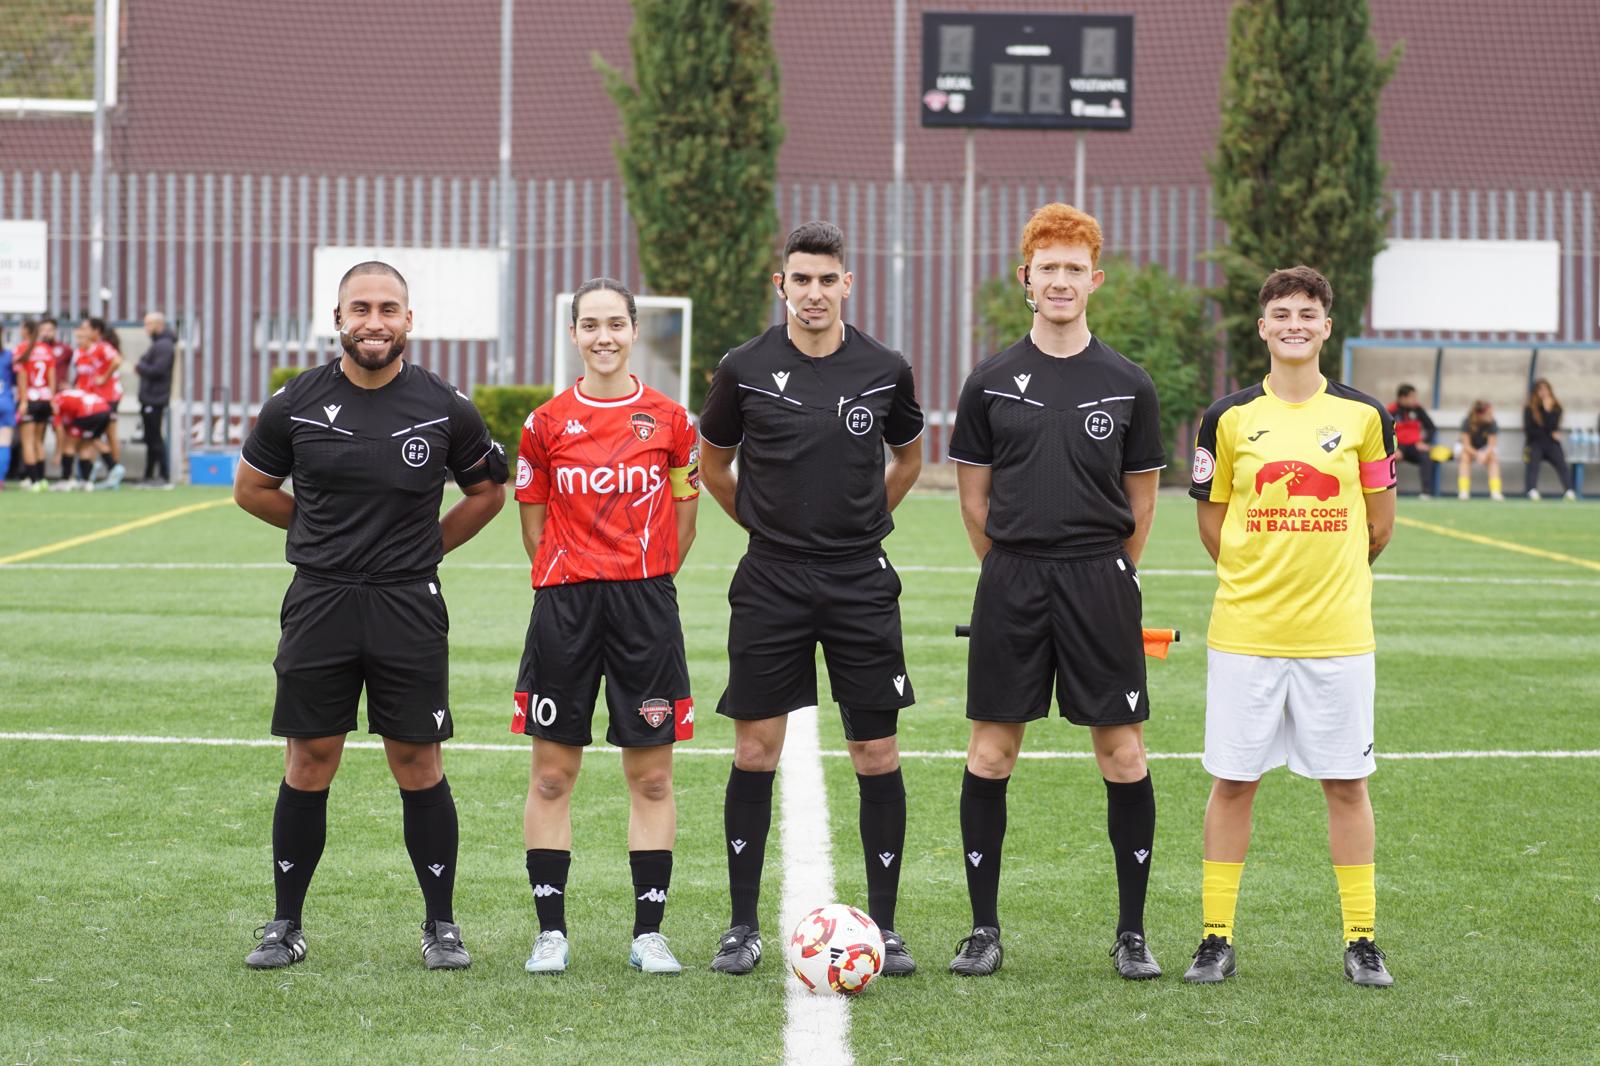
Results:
607 480
94 369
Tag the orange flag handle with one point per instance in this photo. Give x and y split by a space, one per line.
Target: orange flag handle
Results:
1156 641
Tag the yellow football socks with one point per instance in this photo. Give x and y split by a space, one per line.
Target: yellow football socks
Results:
1358 899
1219 897
1463 485
1494 486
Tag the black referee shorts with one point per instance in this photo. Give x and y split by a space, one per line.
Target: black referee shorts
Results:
782 608
627 631
337 638
1074 622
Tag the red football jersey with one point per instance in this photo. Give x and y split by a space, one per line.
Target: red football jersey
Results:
34 369
80 403
89 363
609 472
63 357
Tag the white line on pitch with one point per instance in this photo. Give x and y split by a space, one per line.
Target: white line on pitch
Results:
691 749
1429 579
818 1027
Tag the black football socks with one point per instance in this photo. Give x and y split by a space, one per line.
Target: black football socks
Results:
883 838
432 839
299 831
1131 824
983 831
746 820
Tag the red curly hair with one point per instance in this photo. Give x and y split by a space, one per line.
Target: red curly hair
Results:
1061 224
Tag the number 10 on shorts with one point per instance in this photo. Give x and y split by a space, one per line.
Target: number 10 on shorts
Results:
542 709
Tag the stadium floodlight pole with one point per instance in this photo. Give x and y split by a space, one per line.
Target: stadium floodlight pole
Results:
97 181
897 218
1077 178
968 239
508 203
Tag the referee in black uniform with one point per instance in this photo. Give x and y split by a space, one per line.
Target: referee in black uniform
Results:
368 439
1059 443
809 406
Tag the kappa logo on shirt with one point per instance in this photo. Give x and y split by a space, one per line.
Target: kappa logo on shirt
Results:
780 378
574 426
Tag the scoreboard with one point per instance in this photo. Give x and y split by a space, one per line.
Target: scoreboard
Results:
1027 71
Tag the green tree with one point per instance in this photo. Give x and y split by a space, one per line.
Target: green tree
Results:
699 156
1146 314
1296 171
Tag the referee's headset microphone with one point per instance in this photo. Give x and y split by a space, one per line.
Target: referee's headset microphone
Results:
1027 296
793 310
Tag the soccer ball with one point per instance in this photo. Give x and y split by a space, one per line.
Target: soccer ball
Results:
835 950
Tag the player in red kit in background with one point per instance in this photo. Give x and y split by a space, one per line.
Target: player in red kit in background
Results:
608 481
94 368
1413 435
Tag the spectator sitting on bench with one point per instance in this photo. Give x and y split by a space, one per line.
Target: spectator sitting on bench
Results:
1479 436
1541 431
1413 434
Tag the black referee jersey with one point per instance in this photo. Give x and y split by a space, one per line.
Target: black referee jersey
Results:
810 434
1058 435
369 467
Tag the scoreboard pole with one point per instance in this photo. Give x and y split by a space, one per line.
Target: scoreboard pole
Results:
1077 177
969 197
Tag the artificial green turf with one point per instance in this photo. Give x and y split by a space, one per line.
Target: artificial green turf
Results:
135 874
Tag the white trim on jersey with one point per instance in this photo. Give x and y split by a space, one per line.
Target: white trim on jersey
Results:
1147 469
776 396
969 462
258 470
625 401
725 447
1108 399
420 425
1014 396
319 425
920 431
880 388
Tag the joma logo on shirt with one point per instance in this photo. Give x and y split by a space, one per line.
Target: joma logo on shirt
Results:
575 480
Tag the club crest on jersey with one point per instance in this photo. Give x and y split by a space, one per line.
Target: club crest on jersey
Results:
858 420
1328 438
415 451
1099 425
654 712
643 425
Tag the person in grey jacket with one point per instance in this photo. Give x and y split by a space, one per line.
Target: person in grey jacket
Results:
155 392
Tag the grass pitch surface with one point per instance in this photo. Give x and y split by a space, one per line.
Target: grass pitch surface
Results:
134 874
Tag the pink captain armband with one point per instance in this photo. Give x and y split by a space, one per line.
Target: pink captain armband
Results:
1380 473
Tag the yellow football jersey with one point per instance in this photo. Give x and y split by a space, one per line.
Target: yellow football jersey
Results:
1293 577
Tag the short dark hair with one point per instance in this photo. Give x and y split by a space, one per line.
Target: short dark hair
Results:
1403 391
815 238
48 320
610 285
1296 279
30 328
373 266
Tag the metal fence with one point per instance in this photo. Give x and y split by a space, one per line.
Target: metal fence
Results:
227 257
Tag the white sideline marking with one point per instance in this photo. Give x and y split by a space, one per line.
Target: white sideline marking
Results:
818 1027
688 749
1428 579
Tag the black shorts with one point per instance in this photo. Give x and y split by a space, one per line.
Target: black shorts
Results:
627 631
89 426
782 608
37 411
337 637
1076 622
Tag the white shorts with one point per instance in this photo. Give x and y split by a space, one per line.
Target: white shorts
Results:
1315 715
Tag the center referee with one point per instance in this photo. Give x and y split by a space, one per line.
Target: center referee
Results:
809 406
368 439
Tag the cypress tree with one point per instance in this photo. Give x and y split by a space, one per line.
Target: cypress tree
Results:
1296 172
699 155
